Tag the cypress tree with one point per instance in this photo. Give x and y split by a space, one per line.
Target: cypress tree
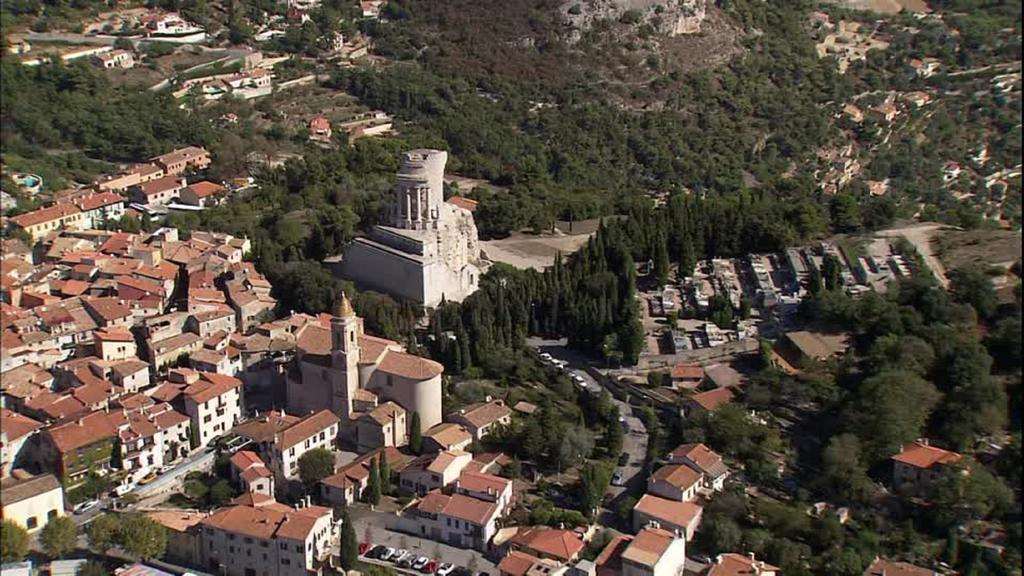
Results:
385 473
349 544
415 434
372 491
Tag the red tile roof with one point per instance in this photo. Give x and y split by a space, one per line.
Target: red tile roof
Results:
205 188
556 543
306 428
15 425
464 203
669 511
713 399
739 565
49 214
679 476
921 455
211 386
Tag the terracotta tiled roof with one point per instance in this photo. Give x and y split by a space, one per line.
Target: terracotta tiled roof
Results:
177 520
17 426
443 460
649 545
55 212
679 476
483 483
485 413
211 386
464 203
94 201
458 506
307 427
669 511
88 429
264 523
557 543
266 426
205 188
113 335
921 455
165 184
385 413
687 371
448 434
517 563
410 366
108 309
713 399
707 460
245 459
610 558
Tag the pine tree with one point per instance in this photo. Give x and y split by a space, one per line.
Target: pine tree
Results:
415 434
661 262
349 544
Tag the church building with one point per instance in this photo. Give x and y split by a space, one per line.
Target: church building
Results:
341 369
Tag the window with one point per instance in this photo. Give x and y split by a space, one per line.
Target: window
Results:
285 561
31 522
298 547
51 514
248 540
231 536
284 546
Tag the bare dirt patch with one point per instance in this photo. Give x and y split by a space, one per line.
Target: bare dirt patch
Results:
921 235
151 71
958 248
884 6
532 251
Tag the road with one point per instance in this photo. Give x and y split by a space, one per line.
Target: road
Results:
370 526
634 443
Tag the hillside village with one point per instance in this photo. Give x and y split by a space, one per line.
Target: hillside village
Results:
278 342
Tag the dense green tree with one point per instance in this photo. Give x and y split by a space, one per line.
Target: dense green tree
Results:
14 541
59 537
315 465
889 409
142 537
103 532
971 285
385 473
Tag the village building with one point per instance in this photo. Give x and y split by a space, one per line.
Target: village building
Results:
204 193
15 432
251 474
483 486
433 472
654 552
40 222
675 482
456 520
72 449
447 436
884 567
556 544
701 459
687 376
272 539
31 501
919 464
116 58
177 161
480 419
706 401
320 129
160 191
673 515
428 249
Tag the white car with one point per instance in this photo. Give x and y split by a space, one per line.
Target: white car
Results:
617 479
122 489
560 363
578 379
387 554
545 357
420 563
400 555
445 569
84 507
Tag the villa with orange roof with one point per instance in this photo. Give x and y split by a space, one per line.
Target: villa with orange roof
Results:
732 564
683 517
919 464
543 542
213 402
249 471
204 193
15 431
654 552
704 460
456 520
675 482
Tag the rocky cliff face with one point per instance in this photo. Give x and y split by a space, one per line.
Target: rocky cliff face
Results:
667 17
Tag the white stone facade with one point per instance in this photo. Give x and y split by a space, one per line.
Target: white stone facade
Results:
429 251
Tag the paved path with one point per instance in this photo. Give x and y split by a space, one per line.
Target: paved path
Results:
196 461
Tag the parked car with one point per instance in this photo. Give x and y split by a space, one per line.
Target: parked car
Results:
364 547
545 357
407 561
617 479
84 507
376 551
623 459
400 555
387 554
149 478
430 568
122 489
420 563
445 569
